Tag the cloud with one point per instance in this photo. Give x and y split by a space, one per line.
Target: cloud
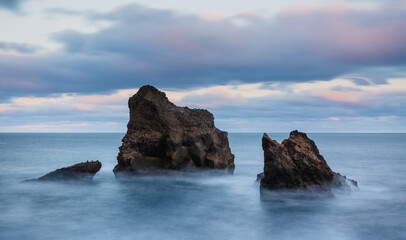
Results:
18 47
63 126
159 47
319 69
253 107
11 4
76 40
372 37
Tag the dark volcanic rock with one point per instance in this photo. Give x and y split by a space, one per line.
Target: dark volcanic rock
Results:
297 164
81 171
163 136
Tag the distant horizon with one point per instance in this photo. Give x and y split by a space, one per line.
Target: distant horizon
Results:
242 132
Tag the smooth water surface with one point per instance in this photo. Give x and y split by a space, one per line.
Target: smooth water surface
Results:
200 206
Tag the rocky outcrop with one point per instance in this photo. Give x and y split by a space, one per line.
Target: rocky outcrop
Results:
84 171
163 136
297 164
343 183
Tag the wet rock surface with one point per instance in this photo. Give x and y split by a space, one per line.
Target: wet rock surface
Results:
297 164
163 136
343 183
78 172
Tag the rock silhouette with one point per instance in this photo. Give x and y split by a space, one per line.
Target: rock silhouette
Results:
297 164
81 171
163 136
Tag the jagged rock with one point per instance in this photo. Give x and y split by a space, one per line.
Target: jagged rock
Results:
260 176
163 136
81 171
343 183
297 164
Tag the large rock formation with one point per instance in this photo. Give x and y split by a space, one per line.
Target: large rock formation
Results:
161 135
84 171
297 164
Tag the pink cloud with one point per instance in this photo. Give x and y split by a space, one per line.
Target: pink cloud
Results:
311 9
211 16
41 127
222 92
339 32
336 96
84 107
177 40
333 118
93 98
4 108
249 14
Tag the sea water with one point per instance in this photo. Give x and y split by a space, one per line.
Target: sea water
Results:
199 206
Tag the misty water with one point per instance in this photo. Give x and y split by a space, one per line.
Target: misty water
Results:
198 206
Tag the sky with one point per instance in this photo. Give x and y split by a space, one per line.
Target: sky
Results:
258 66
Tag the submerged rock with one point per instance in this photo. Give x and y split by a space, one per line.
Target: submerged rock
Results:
297 164
163 136
81 171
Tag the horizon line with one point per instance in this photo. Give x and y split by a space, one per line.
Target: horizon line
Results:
235 132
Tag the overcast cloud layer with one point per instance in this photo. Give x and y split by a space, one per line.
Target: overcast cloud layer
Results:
360 53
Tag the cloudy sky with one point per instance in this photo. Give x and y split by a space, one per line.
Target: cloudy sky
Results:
258 65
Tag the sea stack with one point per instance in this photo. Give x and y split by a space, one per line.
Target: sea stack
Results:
297 164
163 136
84 171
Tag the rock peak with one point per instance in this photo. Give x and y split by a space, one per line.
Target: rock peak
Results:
150 94
297 133
150 90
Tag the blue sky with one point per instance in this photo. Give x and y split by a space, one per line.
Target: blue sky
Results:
319 66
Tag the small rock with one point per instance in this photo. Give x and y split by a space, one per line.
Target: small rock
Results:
81 171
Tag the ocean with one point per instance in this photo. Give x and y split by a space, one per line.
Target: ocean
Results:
198 206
